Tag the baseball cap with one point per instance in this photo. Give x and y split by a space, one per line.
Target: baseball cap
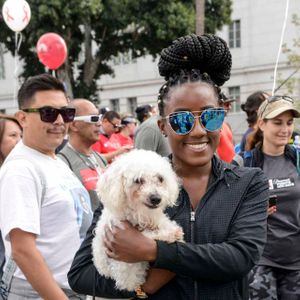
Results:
225 99
276 105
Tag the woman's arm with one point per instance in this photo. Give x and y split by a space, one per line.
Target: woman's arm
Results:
232 258
227 260
125 243
156 279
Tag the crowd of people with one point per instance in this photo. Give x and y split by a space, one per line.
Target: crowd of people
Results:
239 211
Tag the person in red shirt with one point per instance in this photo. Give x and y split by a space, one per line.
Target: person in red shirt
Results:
125 136
110 123
225 149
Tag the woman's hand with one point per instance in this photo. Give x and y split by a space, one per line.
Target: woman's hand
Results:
272 210
124 242
156 278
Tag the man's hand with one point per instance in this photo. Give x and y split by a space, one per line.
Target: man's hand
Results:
33 265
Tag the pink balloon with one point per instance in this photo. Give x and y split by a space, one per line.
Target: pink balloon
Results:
51 50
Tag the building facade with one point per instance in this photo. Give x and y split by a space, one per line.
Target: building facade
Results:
253 37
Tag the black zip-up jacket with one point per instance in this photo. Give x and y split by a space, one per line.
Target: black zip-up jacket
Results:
224 237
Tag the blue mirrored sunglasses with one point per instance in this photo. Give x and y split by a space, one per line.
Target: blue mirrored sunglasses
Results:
182 122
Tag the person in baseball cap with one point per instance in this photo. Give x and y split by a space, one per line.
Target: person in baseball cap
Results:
268 148
226 102
273 106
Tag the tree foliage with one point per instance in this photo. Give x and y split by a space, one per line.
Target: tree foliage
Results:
293 57
96 31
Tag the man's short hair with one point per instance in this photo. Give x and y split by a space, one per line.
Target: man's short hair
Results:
110 115
38 83
142 111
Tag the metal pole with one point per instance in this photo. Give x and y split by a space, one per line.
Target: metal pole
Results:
200 15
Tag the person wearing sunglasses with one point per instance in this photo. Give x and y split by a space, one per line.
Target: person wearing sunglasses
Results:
78 154
277 274
44 209
221 207
125 136
110 124
225 149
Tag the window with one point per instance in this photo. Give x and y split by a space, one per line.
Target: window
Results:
234 92
115 105
235 34
123 58
131 105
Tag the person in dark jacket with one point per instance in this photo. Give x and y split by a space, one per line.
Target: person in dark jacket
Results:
250 107
221 207
277 274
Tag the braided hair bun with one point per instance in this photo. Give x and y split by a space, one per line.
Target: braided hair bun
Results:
206 53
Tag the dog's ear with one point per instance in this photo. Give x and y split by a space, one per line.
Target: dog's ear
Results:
174 190
172 182
110 189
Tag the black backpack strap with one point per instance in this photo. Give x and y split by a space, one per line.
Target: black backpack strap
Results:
243 159
248 158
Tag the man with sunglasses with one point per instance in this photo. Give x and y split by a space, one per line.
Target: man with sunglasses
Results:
110 124
78 154
44 209
225 149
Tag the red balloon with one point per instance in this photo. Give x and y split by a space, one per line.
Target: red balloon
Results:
51 50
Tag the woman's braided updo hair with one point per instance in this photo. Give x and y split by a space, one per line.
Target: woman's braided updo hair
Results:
194 58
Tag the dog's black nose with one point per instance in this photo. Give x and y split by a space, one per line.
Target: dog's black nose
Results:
154 199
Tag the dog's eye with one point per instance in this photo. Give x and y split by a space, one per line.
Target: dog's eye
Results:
161 179
139 180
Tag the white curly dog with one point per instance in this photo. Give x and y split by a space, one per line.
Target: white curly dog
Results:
136 187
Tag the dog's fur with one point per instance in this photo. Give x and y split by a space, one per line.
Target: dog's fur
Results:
136 187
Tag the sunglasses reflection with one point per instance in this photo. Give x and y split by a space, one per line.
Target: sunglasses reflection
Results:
183 122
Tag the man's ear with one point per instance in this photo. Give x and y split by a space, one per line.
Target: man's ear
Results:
73 127
21 117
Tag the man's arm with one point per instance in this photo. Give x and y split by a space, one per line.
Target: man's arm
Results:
111 155
33 265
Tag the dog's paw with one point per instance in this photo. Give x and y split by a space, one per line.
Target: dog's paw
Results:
179 234
175 235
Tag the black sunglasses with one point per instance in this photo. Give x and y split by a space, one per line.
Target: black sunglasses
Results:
278 97
116 126
49 114
275 98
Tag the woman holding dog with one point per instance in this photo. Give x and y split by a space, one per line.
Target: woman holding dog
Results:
222 208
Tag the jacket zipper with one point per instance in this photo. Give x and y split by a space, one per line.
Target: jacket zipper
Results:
192 219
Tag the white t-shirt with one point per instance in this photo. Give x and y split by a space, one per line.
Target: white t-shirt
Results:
61 221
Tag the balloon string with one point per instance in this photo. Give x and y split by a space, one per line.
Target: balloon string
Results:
18 42
280 45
